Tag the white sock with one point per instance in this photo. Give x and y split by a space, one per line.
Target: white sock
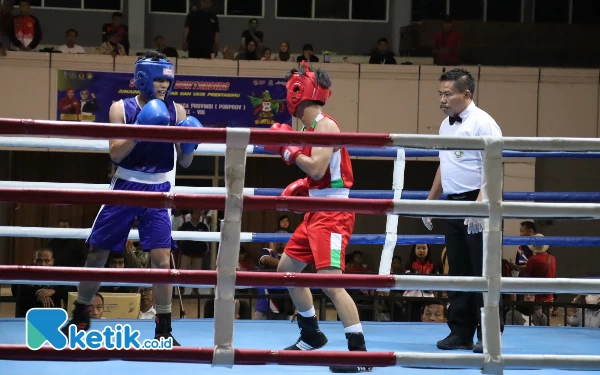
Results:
357 328
163 309
308 314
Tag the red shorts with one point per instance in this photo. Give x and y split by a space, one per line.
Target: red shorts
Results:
322 239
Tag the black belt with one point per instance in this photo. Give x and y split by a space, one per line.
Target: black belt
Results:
466 196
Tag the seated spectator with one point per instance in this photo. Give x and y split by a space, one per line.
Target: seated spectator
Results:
382 55
267 55
541 265
420 261
112 46
307 54
178 217
161 46
592 316
284 52
283 226
279 308
71 46
527 229
26 29
250 53
397 267
193 252
69 252
117 27
244 263
524 315
446 44
135 257
252 34
357 265
147 310
39 296
98 306
434 312
117 260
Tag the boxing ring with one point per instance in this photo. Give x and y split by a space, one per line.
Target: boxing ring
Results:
411 346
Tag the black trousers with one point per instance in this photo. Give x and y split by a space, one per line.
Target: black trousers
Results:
465 258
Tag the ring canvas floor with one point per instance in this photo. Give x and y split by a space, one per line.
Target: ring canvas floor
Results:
385 337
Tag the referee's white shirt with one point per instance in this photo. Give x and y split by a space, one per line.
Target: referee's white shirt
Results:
461 170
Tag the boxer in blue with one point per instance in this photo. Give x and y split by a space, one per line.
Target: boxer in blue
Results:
141 166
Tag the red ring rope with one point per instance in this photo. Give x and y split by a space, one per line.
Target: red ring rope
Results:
189 201
181 134
160 276
203 355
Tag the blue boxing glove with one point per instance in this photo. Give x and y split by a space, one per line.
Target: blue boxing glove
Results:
155 112
190 122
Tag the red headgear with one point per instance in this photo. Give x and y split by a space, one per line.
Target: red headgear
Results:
302 87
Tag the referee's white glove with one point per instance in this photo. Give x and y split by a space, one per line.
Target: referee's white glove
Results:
427 222
474 225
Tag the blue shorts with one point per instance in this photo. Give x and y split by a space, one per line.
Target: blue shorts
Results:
113 223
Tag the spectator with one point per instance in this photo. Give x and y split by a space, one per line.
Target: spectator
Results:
527 229
267 55
250 53
178 217
434 312
26 29
147 310
420 261
254 34
68 252
541 265
135 257
283 226
117 27
112 46
307 54
161 46
382 55
38 296
280 308
592 316
98 306
245 264
397 267
527 315
193 252
284 51
6 18
71 46
446 44
117 260
201 32
357 265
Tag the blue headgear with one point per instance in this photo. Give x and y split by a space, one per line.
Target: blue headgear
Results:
148 70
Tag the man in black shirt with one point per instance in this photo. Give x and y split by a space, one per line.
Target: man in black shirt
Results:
192 252
201 32
253 33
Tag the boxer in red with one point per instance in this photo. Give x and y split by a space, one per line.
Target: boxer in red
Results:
322 237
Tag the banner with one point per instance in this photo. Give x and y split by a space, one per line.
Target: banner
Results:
214 101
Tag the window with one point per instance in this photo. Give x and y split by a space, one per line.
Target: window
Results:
335 9
470 10
428 9
244 8
369 10
62 4
586 12
347 10
168 6
504 10
552 11
102 4
294 9
33 3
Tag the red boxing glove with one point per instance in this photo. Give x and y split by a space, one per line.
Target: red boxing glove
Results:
296 188
288 153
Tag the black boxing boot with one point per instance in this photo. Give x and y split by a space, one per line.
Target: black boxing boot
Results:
311 337
163 328
81 318
356 343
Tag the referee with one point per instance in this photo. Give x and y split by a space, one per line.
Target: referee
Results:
459 176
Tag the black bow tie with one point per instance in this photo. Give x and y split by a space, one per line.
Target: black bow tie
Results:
454 119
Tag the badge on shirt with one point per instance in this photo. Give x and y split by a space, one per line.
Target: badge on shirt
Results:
459 154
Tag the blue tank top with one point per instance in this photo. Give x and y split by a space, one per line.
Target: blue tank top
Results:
149 157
